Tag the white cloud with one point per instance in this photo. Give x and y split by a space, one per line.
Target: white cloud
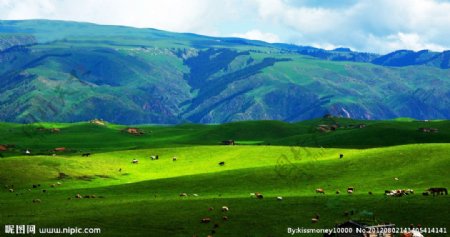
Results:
387 24
174 15
258 35
374 26
402 41
325 46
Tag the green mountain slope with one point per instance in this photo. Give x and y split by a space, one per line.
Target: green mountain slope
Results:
68 72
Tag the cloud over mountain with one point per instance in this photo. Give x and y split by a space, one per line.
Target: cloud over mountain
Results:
377 26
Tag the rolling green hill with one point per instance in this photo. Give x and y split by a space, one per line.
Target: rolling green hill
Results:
69 72
144 199
85 136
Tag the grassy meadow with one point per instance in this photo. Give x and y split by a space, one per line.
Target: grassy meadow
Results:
290 160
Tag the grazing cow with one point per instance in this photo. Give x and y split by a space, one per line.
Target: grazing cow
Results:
400 193
174 158
222 163
320 190
183 194
225 218
120 169
11 190
216 225
438 191
205 220
135 161
36 200
396 193
425 193
259 195
225 209
44 190
411 233
153 157
195 195
341 156
86 154
78 196
228 142
35 186
314 220
370 193
338 192
279 198
350 190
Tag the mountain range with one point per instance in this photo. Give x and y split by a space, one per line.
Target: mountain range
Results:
69 71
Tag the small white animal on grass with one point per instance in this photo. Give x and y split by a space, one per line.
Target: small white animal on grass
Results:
135 161
205 220
279 198
225 209
195 195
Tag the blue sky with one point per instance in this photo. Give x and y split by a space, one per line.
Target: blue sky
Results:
378 26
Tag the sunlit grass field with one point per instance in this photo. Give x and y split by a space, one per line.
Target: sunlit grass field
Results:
144 199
